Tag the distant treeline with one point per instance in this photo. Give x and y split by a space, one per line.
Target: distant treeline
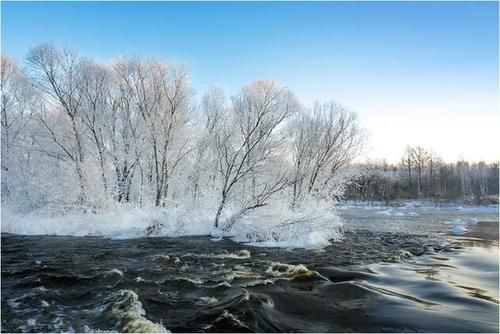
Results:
421 174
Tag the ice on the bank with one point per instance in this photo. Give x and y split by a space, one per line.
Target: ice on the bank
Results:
459 229
459 226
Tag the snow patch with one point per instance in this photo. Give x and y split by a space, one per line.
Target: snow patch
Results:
459 226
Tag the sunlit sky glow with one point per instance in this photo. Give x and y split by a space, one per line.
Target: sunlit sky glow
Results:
417 73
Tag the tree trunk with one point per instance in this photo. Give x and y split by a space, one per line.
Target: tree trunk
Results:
219 210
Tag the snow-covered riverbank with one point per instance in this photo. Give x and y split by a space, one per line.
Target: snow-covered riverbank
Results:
314 227
270 226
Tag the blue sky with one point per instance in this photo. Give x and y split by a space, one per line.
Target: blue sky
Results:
417 73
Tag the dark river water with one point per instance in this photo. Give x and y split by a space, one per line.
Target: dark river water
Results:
396 274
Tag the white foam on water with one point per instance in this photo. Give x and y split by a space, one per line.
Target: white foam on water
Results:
207 300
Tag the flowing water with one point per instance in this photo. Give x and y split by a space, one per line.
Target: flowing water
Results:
395 270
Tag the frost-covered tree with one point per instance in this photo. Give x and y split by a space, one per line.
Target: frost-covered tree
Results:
58 77
247 144
421 158
406 165
324 141
213 112
16 100
85 136
145 110
96 94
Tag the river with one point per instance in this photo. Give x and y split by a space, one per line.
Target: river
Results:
395 270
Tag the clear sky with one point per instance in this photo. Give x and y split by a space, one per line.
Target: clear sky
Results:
417 73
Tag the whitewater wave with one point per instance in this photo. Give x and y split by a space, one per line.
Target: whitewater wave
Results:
271 272
290 271
241 254
122 310
127 311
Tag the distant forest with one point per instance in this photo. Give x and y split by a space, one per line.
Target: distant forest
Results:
421 174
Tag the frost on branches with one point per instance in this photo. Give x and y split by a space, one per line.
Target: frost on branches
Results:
127 149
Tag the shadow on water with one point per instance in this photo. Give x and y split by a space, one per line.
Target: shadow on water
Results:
370 282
